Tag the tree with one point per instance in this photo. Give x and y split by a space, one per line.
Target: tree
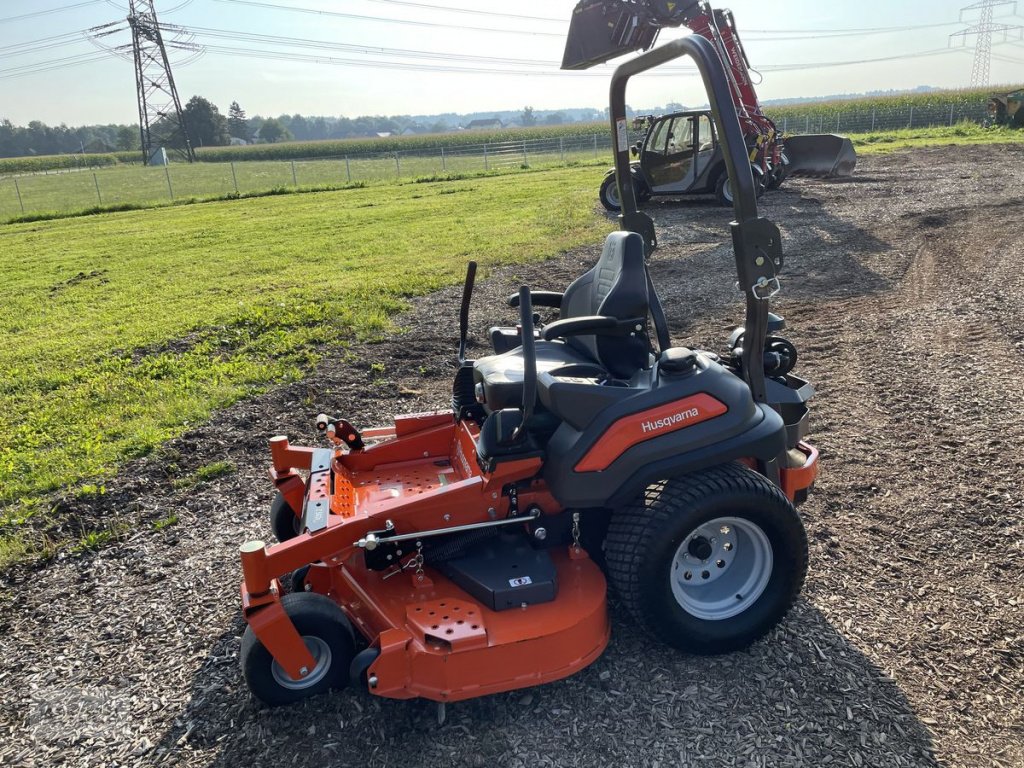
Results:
528 117
555 119
238 124
274 131
127 138
206 126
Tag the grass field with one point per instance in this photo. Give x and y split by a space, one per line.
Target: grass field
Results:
120 330
140 186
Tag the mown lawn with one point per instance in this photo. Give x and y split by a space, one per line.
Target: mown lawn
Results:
120 330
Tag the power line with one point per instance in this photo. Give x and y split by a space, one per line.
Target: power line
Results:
984 30
839 32
408 22
50 10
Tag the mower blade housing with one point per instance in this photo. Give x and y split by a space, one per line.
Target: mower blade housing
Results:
823 154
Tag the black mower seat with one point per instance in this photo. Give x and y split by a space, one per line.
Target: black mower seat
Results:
616 287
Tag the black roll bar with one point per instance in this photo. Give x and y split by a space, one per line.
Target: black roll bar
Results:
756 241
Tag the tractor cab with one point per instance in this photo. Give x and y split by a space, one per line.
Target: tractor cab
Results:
677 150
678 155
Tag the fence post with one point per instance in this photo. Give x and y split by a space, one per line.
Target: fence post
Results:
167 172
486 165
398 166
99 199
17 189
785 124
444 166
526 159
911 117
837 121
873 109
234 176
595 146
808 128
295 181
561 150
951 114
821 123
348 170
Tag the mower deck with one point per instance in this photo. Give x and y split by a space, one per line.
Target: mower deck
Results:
435 640
438 643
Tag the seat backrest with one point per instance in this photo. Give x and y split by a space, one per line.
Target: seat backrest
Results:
617 286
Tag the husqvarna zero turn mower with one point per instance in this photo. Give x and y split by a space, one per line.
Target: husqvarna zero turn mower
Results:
464 552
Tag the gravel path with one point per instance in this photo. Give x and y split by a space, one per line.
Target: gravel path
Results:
906 300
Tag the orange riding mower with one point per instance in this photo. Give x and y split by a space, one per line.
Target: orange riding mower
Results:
467 551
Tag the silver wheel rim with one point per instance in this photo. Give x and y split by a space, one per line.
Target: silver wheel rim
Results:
721 568
613 195
727 190
321 652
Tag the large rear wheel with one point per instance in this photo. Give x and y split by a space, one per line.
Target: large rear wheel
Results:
609 194
708 562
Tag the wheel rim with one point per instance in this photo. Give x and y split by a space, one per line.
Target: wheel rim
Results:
721 568
613 195
727 190
321 652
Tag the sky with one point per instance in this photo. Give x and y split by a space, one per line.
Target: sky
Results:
801 44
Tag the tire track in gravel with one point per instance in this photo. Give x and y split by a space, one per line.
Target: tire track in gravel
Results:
129 656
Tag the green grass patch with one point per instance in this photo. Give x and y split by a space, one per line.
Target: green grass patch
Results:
123 330
205 474
963 133
165 522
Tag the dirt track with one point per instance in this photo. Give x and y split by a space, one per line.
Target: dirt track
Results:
904 293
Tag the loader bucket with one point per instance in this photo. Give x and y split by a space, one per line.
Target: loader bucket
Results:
823 154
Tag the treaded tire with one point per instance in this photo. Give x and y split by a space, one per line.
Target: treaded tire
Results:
314 616
609 195
645 537
283 521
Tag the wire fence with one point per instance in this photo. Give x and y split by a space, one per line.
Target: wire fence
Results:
869 120
73 190
78 189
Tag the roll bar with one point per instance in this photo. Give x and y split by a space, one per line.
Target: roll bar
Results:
756 241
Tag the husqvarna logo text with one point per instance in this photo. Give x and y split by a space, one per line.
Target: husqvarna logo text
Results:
669 421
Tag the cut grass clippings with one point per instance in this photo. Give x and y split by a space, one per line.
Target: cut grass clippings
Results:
120 331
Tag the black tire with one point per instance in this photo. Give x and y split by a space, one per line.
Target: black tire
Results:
297 582
609 195
283 521
360 667
647 540
324 626
723 189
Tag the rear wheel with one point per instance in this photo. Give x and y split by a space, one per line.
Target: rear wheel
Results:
708 562
609 194
327 634
723 187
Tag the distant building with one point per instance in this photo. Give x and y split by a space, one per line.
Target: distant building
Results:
237 142
383 134
484 125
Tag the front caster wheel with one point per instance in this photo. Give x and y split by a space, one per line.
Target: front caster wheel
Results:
708 562
283 521
327 634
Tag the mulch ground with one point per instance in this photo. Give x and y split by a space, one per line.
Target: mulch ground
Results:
903 291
